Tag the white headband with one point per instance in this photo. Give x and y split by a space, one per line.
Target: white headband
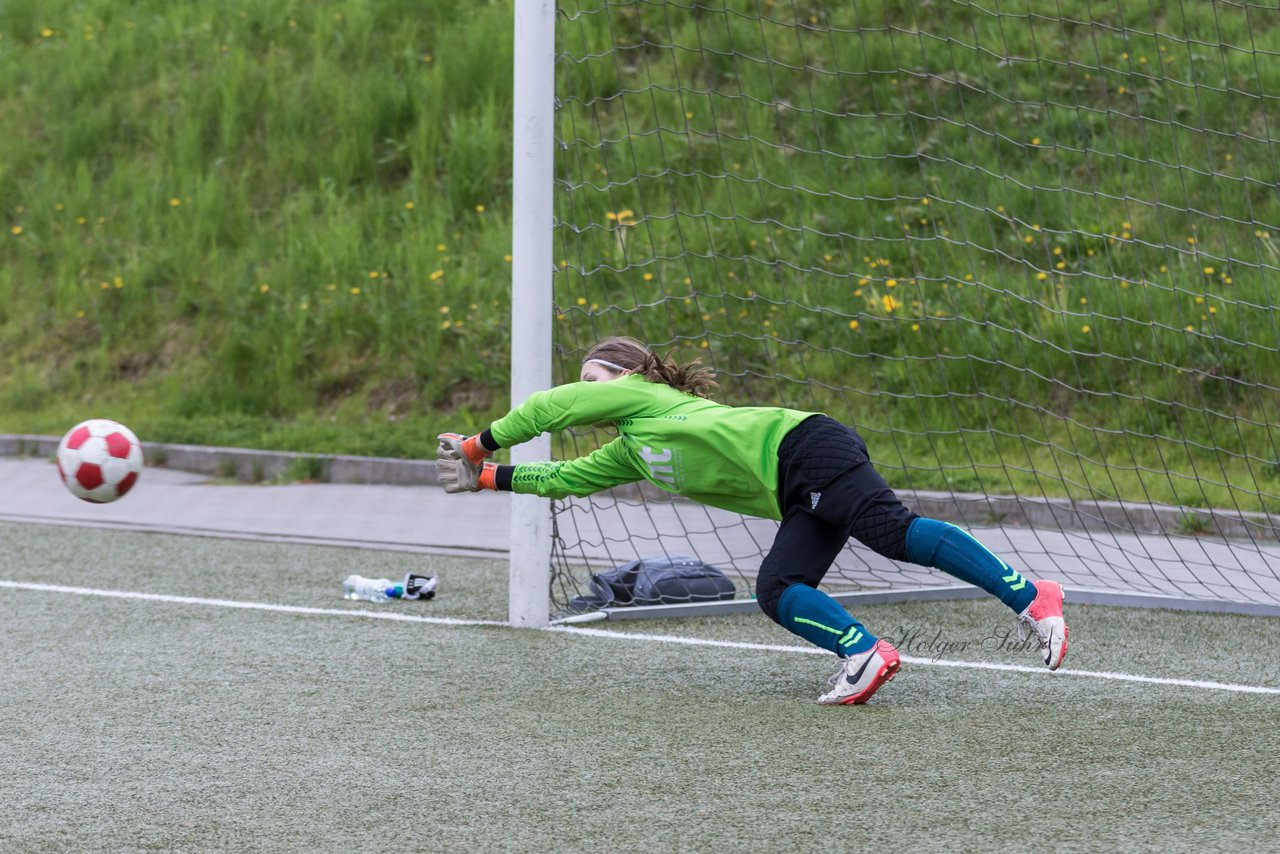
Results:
607 364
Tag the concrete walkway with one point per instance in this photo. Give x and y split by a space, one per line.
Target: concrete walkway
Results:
403 518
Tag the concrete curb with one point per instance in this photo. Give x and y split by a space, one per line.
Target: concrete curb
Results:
973 510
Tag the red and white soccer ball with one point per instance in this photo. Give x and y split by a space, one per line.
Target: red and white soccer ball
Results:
99 460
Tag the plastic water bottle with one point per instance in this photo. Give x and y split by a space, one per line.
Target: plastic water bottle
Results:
370 589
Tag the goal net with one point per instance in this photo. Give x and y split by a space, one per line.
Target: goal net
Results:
1031 253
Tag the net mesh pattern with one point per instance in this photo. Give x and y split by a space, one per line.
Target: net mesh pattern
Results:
1030 251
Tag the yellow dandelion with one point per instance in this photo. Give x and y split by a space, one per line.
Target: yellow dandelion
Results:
426 57
1226 280
408 206
858 292
1061 265
1164 268
263 288
704 345
1040 277
563 263
1208 271
1035 140
1199 300
507 257
891 283
1213 309
864 281
915 327
648 277
611 216
79 314
440 247
688 115
1191 241
582 301
81 220
446 324
444 309
826 257
355 292
104 285
1085 329
1084 300
304 305
1121 90
732 275
853 324
1028 239
437 275
479 208
889 303
117 281
968 277
173 203
373 274
16 230
688 281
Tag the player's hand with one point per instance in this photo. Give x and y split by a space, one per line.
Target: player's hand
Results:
467 447
456 472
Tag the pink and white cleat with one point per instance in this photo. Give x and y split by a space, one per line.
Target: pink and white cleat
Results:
1044 617
861 675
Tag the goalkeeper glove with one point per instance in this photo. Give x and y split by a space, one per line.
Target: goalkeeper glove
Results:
455 469
469 447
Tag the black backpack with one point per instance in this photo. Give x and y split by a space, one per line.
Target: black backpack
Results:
655 581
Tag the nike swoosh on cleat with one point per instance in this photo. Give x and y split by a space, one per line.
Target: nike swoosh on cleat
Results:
853 679
1048 649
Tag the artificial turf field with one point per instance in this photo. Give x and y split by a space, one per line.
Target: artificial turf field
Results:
179 724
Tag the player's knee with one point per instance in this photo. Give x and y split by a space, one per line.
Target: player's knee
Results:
769 587
883 528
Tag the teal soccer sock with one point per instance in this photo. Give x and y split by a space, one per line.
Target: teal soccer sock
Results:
819 619
955 552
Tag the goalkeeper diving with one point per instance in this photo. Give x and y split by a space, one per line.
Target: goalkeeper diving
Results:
804 469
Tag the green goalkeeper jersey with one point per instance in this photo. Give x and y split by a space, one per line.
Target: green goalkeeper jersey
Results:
724 456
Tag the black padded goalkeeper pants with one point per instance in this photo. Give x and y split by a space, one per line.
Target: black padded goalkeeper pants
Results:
828 491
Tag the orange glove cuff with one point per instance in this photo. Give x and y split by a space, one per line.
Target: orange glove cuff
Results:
488 476
473 450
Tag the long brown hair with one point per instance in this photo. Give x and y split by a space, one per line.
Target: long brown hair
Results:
691 378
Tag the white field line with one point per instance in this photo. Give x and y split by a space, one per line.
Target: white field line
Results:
395 616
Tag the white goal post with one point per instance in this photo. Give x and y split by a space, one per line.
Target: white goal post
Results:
533 165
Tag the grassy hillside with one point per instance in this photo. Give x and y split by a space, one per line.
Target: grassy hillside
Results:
1030 249
245 222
